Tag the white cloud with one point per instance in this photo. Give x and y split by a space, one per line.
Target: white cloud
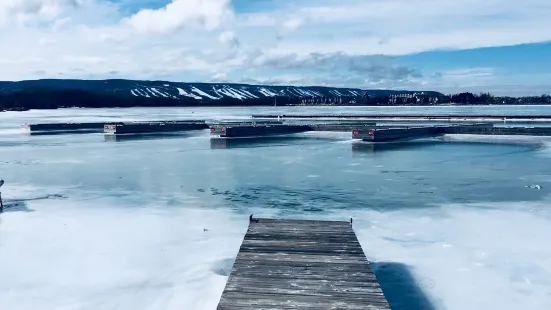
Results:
208 14
229 37
292 24
21 12
405 27
326 42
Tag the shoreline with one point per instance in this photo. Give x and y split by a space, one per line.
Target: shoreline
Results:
288 105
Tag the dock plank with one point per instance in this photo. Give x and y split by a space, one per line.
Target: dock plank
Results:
300 264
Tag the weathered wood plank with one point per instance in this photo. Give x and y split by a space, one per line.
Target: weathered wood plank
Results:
299 264
362 277
259 301
343 259
315 268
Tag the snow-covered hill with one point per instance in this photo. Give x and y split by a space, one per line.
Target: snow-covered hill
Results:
241 92
197 91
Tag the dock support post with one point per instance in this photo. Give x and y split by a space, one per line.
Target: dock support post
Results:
1 203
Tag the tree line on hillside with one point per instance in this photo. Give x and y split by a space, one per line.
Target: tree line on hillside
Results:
459 99
427 100
53 98
50 98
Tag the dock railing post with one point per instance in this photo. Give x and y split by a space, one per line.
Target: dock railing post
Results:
1 203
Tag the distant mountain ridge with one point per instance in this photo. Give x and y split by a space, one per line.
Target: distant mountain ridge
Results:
197 91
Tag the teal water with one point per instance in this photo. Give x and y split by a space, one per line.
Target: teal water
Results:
154 222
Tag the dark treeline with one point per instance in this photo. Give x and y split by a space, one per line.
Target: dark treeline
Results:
486 98
459 99
53 98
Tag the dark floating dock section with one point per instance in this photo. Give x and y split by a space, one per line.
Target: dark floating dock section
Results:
260 129
299 264
67 126
97 126
254 130
382 134
219 128
489 130
154 127
390 134
424 117
244 123
342 127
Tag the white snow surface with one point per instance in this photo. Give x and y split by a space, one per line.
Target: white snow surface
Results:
202 93
242 93
159 92
230 93
266 92
184 93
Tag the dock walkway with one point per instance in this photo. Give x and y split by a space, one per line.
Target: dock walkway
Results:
298 264
412 117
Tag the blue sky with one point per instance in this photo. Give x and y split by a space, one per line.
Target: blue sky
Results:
498 46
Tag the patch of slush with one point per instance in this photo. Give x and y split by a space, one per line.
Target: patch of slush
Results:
332 135
12 131
546 149
496 139
496 253
106 254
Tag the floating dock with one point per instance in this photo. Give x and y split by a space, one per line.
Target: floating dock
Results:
254 130
390 134
92 126
153 127
341 127
382 134
505 131
385 133
416 117
97 126
220 127
299 264
244 123
247 130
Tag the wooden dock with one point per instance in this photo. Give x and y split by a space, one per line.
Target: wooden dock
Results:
298 264
154 126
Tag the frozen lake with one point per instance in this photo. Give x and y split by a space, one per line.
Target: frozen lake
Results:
155 222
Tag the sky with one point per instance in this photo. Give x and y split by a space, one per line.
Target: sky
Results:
497 46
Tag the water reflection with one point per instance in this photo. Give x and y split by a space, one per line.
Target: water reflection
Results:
154 136
61 132
230 143
361 148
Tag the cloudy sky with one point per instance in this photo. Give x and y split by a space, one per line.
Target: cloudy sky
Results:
501 46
